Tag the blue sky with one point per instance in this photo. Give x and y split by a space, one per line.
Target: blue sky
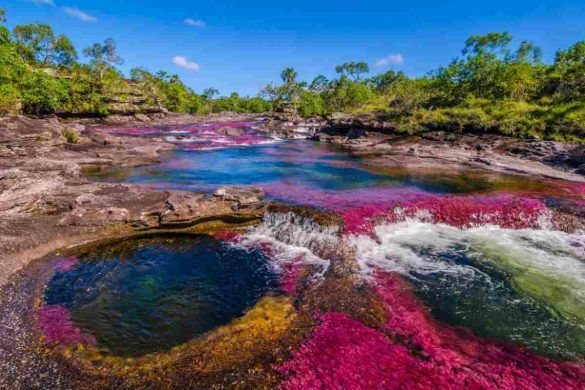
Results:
240 46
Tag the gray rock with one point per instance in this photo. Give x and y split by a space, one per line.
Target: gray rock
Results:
231 131
142 118
11 173
244 196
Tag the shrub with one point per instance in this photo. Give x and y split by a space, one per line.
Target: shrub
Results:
42 94
71 136
311 104
9 98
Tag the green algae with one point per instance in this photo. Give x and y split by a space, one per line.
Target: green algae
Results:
556 283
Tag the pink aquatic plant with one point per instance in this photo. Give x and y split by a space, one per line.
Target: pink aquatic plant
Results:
66 264
413 351
345 354
226 235
198 136
289 279
361 209
338 200
57 327
504 210
463 358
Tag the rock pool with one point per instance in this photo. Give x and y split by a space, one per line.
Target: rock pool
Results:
150 294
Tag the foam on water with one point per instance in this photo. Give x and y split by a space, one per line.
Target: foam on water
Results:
397 247
292 239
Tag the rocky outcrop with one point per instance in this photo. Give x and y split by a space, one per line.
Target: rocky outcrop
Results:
377 122
371 134
46 202
129 99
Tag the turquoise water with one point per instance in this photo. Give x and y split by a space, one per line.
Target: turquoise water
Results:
298 163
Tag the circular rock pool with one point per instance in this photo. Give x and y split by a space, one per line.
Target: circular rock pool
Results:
149 294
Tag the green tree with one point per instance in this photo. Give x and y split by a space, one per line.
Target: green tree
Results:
42 94
319 84
566 77
311 104
291 89
523 72
289 76
12 67
103 57
354 70
5 36
12 71
383 83
37 43
347 94
2 15
481 73
257 105
64 53
487 45
210 93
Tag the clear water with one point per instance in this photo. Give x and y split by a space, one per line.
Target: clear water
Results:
147 295
302 164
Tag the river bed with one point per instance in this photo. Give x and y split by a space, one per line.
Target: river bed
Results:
425 278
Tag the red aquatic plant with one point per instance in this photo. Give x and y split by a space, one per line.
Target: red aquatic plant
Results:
343 353
463 358
226 235
416 352
57 327
290 276
363 208
504 210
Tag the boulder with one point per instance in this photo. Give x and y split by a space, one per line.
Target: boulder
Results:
231 131
142 117
243 196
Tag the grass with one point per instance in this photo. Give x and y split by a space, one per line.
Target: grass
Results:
542 120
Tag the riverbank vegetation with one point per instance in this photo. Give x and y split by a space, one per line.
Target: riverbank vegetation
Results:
41 73
495 86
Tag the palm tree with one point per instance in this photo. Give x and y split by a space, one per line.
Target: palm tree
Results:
288 75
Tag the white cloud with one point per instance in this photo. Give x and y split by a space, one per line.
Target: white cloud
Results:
79 14
195 23
49 2
397 59
185 63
